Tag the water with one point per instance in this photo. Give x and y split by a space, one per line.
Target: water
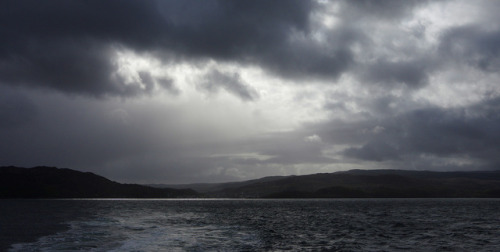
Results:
251 225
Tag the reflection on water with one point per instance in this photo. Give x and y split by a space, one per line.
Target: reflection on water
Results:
229 225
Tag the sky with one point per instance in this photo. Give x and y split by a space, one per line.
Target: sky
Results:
186 91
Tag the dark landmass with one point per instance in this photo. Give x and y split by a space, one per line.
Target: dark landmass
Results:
363 184
215 187
50 182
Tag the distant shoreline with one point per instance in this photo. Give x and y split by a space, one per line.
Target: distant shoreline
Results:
57 183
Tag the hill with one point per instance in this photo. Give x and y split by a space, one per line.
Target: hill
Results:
363 184
51 182
215 187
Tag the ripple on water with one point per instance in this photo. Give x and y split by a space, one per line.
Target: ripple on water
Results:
338 225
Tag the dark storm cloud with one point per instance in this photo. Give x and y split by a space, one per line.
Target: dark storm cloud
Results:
62 66
305 60
226 29
466 132
67 45
16 110
377 54
412 74
231 82
473 45
381 9
266 33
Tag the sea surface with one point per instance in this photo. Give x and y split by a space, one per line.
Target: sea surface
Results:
250 225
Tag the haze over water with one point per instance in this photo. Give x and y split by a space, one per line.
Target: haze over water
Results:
262 225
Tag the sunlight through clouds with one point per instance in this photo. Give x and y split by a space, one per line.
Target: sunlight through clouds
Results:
189 91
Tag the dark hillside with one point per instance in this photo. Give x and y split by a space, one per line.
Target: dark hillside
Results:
373 184
50 182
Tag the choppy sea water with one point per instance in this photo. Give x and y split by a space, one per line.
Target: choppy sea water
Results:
251 225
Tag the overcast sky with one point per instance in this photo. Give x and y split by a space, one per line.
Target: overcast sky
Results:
212 91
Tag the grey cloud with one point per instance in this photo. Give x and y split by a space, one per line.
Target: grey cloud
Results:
169 85
342 132
309 61
473 45
404 61
16 110
292 148
381 9
412 74
64 45
378 151
82 67
468 132
232 83
69 46
68 67
226 29
147 80
150 83
267 33
368 110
